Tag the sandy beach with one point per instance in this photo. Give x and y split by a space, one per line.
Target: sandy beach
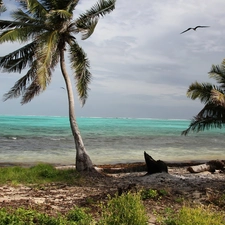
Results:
178 183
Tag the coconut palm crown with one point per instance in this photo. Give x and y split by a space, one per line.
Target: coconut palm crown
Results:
47 29
213 96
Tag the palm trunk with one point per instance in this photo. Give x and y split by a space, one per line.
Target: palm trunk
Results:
83 161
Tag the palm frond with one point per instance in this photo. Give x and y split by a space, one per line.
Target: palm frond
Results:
33 90
35 8
22 34
87 22
87 28
55 59
71 5
57 4
15 65
218 73
63 14
21 85
58 20
16 61
43 76
202 91
80 64
2 7
101 8
24 18
11 24
27 86
211 116
45 53
218 98
9 35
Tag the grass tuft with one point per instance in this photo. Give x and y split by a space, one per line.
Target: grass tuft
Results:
39 174
126 209
196 216
22 216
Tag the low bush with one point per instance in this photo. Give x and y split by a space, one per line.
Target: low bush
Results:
27 217
126 209
149 194
22 216
79 216
153 194
195 216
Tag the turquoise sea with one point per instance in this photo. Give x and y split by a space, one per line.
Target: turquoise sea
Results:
28 139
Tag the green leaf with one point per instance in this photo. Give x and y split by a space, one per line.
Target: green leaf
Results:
80 64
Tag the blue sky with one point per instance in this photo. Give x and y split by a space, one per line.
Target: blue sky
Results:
141 65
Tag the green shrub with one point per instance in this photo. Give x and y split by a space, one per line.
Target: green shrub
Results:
126 209
196 216
79 216
23 216
27 217
8 219
149 194
163 192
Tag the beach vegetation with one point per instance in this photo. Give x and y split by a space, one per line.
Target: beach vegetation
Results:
80 216
213 97
149 193
187 215
125 209
38 174
21 216
199 215
179 199
46 30
153 194
163 192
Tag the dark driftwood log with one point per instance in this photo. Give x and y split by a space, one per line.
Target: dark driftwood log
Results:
210 166
154 166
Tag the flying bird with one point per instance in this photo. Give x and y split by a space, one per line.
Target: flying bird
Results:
191 28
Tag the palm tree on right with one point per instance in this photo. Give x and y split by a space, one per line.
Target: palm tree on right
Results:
213 96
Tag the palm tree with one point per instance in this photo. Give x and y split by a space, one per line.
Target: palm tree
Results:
213 96
2 7
47 29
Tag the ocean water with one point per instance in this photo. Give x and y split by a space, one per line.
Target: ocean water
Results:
29 139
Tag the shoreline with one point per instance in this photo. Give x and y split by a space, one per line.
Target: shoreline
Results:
108 165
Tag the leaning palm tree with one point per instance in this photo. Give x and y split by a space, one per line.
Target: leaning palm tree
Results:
213 96
47 29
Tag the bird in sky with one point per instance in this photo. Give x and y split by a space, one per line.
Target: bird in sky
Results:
191 28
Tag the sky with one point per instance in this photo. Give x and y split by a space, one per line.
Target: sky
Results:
141 65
